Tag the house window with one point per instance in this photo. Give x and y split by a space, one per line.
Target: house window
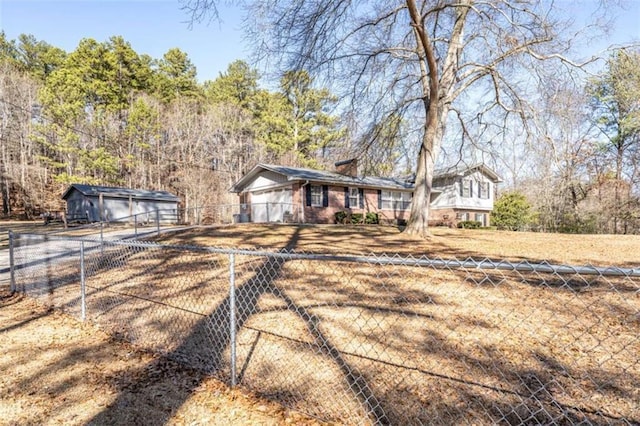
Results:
395 200
484 190
466 188
463 216
482 218
316 196
354 197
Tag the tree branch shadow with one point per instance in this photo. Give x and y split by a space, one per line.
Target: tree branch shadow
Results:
206 346
356 379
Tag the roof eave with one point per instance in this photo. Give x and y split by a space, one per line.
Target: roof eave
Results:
482 167
493 175
164 197
238 186
68 190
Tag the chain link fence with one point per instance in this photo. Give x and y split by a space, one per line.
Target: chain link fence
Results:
266 212
364 340
165 220
159 220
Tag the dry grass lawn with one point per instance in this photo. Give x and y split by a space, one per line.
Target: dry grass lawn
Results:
59 371
602 250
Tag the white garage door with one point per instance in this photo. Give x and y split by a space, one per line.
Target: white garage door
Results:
269 206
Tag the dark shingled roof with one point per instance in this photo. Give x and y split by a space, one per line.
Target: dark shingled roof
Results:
114 192
296 174
406 183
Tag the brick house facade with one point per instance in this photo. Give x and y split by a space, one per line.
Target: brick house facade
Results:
278 193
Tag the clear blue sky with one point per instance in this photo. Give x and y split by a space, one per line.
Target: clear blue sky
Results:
155 26
151 26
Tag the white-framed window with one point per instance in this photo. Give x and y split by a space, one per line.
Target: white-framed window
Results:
354 197
463 216
395 200
483 188
466 189
482 218
316 196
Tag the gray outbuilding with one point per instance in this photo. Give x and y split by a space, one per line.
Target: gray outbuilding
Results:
91 203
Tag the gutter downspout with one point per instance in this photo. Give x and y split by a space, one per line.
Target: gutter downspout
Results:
302 198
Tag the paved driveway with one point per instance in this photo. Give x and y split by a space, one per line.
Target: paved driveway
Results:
37 252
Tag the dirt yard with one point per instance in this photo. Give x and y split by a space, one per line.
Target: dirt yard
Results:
59 371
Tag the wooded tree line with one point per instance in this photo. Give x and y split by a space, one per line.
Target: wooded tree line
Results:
580 169
104 114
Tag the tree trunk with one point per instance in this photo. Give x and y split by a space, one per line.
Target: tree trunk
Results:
420 204
419 214
436 92
4 185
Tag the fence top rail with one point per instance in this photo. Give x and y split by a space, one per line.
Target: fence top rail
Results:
374 259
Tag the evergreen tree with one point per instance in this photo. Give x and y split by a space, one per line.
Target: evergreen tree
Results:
237 85
511 211
311 128
38 58
176 76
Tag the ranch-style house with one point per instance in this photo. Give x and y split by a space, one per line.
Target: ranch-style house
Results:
270 193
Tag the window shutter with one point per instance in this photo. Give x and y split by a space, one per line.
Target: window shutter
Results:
308 195
379 199
361 197
325 196
462 188
346 197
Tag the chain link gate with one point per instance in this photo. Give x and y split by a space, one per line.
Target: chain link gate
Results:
364 340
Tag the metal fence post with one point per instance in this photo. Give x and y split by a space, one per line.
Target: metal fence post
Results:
83 290
232 316
158 221
101 239
12 273
135 224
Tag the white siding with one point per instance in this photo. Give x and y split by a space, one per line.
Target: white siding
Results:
266 179
451 194
449 197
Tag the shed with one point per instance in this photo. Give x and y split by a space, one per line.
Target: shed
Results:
93 203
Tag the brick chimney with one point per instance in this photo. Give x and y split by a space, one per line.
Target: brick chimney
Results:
347 167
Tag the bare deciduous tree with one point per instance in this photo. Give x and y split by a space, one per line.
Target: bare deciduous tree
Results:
434 64
561 146
23 180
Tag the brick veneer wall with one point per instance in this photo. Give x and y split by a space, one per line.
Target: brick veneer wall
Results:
336 204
